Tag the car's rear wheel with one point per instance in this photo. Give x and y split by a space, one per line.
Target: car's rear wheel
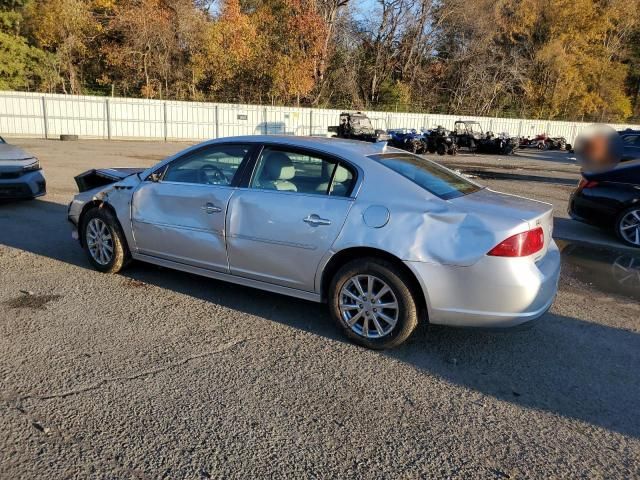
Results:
628 226
104 241
372 301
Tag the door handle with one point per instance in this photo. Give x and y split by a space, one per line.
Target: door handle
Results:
210 208
314 220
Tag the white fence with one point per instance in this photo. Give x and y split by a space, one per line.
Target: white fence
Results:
49 115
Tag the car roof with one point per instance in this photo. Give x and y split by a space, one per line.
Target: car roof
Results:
351 149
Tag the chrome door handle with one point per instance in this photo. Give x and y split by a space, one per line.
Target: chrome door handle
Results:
210 208
315 220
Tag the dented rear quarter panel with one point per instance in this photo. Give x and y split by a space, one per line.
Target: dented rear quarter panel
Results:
425 228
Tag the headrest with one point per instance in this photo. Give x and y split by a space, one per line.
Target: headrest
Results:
341 175
278 166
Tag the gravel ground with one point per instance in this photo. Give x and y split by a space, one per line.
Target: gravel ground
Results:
160 374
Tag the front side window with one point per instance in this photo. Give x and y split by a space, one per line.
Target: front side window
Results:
301 172
434 178
212 165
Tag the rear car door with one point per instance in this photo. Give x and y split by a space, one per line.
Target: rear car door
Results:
178 213
280 227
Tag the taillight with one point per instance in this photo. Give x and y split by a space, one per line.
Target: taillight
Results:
584 183
520 245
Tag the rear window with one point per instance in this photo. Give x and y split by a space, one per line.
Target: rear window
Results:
434 178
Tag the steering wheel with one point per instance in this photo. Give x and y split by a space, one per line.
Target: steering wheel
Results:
212 175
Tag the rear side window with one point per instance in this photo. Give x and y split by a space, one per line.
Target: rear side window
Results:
632 140
302 172
434 178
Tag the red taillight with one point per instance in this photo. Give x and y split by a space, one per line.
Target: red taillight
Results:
520 245
584 183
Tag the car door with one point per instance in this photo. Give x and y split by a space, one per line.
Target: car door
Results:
280 227
178 213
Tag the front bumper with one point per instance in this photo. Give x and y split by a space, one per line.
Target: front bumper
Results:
29 185
494 292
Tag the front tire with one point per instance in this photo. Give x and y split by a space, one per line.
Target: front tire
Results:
104 241
371 300
628 226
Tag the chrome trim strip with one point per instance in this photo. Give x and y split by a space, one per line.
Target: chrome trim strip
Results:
181 227
303 246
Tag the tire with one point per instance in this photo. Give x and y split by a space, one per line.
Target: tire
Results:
385 273
441 149
68 138
628 218
120 256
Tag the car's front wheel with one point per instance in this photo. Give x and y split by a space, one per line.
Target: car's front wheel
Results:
372 301
628 226
104 241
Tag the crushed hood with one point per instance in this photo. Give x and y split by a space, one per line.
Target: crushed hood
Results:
95 178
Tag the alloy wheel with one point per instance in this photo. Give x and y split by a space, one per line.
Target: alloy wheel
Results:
369 306
630 227
99 241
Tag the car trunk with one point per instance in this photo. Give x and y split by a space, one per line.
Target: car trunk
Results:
521 211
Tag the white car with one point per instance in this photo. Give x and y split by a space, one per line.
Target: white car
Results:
20 174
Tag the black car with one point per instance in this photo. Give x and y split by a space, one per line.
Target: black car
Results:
631 144
610 200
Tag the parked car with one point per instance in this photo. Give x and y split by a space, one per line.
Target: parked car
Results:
357 126
610 200
631 144
385 237
20 174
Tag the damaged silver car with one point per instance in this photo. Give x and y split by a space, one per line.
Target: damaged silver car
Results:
21 176
387 238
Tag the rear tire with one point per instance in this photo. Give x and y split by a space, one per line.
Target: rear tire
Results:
390 317
104 241
628 226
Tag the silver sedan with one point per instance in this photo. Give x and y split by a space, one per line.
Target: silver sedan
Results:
21 176
388 239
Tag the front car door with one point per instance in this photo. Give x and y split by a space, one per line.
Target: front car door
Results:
280 227
178 213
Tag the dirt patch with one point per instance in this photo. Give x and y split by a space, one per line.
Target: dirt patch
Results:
33 302
133 283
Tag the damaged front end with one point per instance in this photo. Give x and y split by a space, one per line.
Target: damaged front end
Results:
110 187
94 178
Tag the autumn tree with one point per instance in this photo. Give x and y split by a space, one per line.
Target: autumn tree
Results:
66 28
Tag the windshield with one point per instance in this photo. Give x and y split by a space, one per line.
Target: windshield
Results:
434 178
472 127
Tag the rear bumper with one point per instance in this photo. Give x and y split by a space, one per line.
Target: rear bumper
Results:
30 185
495 292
